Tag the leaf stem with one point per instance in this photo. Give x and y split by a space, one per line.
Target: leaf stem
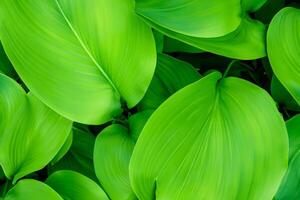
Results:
229 67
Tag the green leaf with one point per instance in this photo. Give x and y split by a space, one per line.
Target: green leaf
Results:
113 149
80 156
81 51
289 188
247 42
214 139
137 122
193 18
171 45
74 186
283 49
252 5
31 189
170 75
293 128
282 96
64 149
30 133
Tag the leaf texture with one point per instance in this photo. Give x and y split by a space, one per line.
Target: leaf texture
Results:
88 67
230 142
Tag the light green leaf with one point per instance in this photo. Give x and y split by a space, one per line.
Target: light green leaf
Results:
74 186
205 19
247 42
88 54
30 133
170 75
64 149
80 156
214 139
289 188
31 189
284 48
113 149
282 96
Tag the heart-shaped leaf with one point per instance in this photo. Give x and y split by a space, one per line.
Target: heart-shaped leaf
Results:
87 54
205 19
171 75
30 133
31 189
74 186
284 49
214 139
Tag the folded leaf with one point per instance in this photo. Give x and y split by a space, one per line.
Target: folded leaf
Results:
30 133
284 48
206 19
247 42
170 75
87 54
113 149
74 186
31 189
214 139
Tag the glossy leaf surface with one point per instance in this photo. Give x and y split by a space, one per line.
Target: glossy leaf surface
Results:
88 67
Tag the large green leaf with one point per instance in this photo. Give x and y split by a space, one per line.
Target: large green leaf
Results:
30 133
31 189
170 75
74 186
284 48
86 53
80 156
200 18
247 42
64 149
214 139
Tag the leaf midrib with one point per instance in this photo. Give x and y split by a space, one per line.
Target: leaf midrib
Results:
85 48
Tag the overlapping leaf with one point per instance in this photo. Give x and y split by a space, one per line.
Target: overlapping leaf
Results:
33 190
289 188
230 142
112 153
205 19
170 75
245 43
30 133
74 186
284 49
80 156
80 57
